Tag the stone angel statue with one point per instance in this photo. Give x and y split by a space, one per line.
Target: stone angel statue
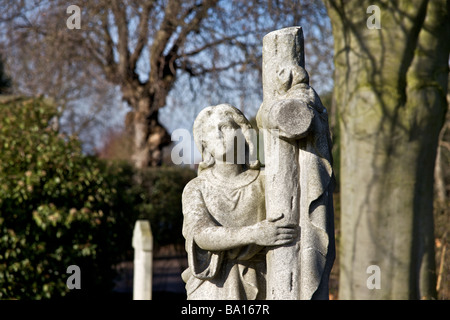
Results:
225 226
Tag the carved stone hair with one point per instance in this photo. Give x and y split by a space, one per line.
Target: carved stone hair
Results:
202 124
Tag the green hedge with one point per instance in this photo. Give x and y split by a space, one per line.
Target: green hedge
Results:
160 192
59 207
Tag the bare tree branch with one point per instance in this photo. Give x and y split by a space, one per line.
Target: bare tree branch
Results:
119 12
193 24
142 34
109 65
143 47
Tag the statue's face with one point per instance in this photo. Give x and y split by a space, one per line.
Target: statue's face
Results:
223 138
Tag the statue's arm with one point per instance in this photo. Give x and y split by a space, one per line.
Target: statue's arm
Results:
208 235
200 226
219 238
263 233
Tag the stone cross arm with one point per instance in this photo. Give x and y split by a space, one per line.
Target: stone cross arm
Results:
291 117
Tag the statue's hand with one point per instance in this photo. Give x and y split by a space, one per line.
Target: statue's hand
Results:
274 233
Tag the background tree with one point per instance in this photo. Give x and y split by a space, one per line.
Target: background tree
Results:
141 48
5 81
390 88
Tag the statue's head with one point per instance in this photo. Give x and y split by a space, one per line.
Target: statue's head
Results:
223 134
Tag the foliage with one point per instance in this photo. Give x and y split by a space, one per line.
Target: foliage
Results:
57 207
161 202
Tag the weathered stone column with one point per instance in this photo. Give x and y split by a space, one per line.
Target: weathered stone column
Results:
143 255
281 48
299 176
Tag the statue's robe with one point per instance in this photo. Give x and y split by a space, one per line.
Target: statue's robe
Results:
316 185
317 244
208 201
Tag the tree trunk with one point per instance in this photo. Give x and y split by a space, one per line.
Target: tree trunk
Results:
148 135
390 88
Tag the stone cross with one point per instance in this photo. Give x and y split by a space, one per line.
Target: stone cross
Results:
143 255
299 178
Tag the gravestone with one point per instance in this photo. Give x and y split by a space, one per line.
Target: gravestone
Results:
143 259
263 234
